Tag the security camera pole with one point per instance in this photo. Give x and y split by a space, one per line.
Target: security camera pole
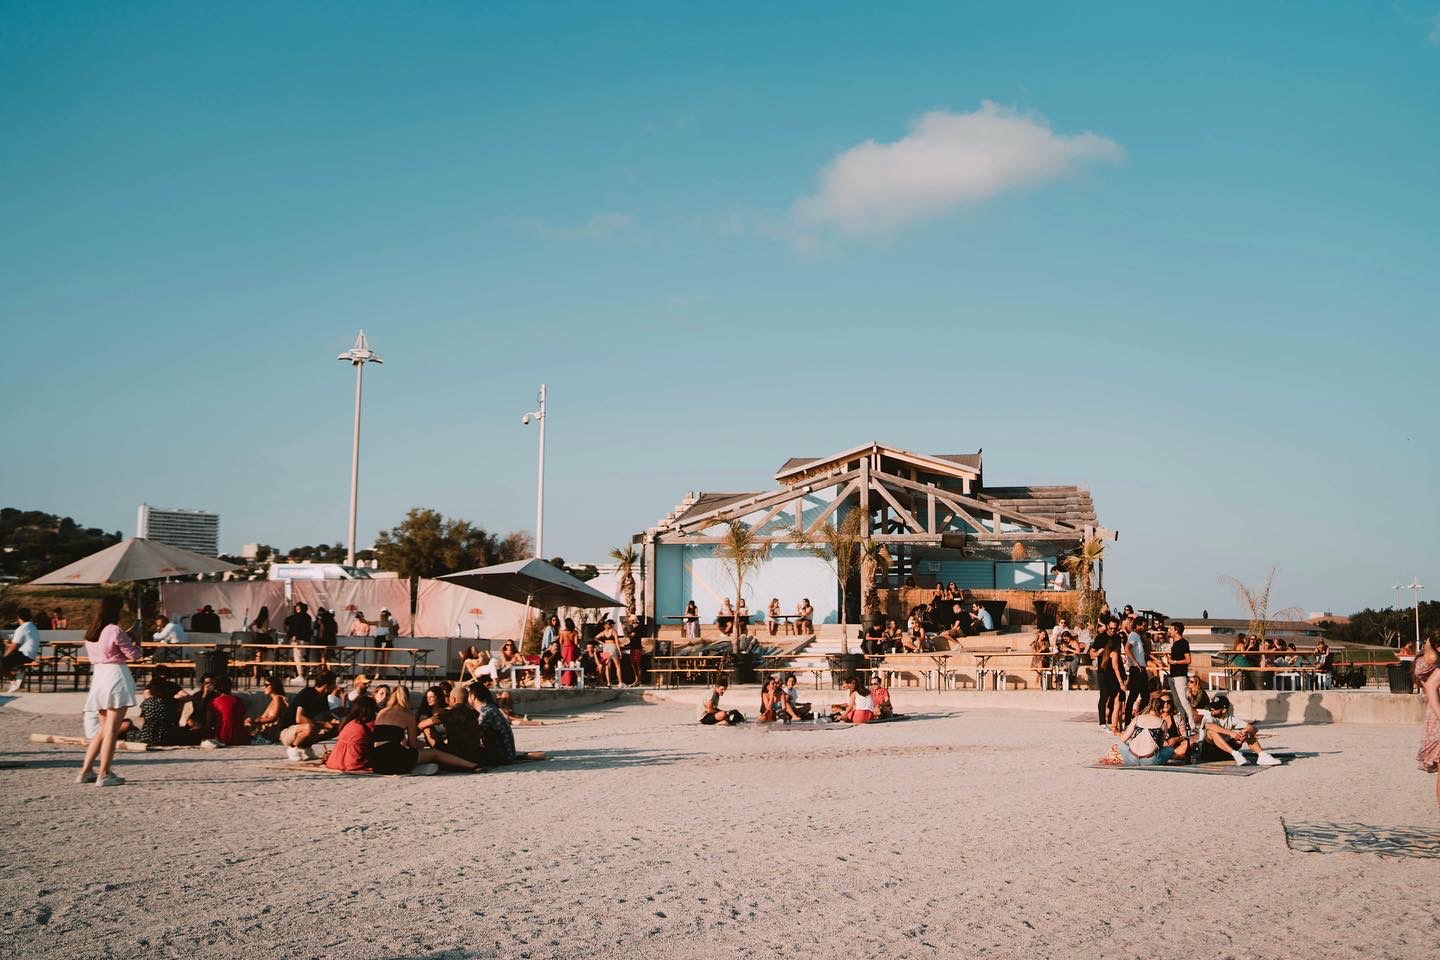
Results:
357 356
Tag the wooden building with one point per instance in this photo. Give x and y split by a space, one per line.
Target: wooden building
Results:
938 519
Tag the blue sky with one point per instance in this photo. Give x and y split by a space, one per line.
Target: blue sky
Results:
1186 257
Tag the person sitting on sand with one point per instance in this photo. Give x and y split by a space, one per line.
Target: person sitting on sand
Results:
880 696
859 707
266 727
225 720
711 713
506 704
1143 742
770 710
497 740
159 715
308 719
790 690
458 726
395 741
1224 735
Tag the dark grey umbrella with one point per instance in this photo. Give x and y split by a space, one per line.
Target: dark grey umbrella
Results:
533 582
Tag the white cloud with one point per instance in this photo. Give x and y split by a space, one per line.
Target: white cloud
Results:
947 160
598 227
1434 38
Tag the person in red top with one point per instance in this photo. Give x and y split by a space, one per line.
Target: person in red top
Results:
352 746
227 716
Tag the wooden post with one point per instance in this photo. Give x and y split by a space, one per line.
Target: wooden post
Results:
650 576
930 509
865 497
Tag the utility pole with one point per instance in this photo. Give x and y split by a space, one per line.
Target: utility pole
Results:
540 491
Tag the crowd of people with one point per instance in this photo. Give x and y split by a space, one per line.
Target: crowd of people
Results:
606 659
780 702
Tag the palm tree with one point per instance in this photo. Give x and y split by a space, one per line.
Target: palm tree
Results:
626 558
1081 567
743 549
838 546
874 564
1257 602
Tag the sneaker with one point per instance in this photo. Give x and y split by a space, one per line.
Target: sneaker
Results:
294 754
259 741
86 776
211 744
109 780
1268 760
425 770
1240 760
15 687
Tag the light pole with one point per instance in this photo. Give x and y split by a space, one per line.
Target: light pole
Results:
357 356
540 493
1397 588
1417 587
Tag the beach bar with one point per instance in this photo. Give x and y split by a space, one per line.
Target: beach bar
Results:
935 515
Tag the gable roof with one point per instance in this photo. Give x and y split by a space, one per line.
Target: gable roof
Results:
968 464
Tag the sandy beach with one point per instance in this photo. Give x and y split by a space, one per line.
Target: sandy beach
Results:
962 832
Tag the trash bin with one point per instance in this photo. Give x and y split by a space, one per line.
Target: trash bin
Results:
1402 677
214 662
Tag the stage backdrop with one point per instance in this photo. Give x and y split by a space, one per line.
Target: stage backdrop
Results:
236 601
448 610
347 597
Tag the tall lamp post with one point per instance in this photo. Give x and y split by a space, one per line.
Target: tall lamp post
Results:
357 356
1417 587
540 492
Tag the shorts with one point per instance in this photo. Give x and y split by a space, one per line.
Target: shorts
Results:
383 643
861 716
15 659
290 734
1157 759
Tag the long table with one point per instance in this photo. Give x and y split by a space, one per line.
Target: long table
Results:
664 670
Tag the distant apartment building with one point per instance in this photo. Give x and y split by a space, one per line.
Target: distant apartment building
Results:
188 529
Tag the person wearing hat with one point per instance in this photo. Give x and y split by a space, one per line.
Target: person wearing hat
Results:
358 688
1223 734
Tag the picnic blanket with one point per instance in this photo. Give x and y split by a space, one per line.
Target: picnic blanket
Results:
1314 836
1226 769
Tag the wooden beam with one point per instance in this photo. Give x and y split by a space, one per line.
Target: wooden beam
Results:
763 501
650 577
935 539
865 497
840 497
890 499
981 505
930 510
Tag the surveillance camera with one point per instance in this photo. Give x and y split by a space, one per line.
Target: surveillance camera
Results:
525 420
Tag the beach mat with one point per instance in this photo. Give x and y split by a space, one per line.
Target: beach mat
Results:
1226 769
1313 836
805 726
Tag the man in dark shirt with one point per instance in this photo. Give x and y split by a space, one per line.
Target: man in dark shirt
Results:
1179 671
299 629
205 620
307 718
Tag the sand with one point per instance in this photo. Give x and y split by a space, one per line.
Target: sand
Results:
963 833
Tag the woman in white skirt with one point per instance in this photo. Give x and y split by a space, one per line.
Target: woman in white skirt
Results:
112 689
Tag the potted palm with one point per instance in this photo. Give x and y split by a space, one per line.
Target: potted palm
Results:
874 564
839 546
743 550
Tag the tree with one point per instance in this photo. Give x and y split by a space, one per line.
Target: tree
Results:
874 564
839 547
1257 602
626 558
32 542
1081 567
743 549
426 544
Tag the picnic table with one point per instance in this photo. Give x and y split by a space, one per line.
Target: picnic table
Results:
936 671
774 664
664 670
998 675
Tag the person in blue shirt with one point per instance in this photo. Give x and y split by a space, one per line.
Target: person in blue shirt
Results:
981 618
23 648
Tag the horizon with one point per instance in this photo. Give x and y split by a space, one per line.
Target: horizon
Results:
723 239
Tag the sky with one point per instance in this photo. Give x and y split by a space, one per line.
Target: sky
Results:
1183 256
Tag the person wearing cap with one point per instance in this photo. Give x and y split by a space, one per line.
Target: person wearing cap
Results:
357 688
1223 734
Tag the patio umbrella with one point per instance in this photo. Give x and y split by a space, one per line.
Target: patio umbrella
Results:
532 582
133 560
536 581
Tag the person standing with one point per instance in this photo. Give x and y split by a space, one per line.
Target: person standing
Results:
299 631
383 635
1179 674
23 648
112 689
551 633
1427 674
772 616
1135 661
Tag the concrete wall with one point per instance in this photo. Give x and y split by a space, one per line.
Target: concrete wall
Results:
692 572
